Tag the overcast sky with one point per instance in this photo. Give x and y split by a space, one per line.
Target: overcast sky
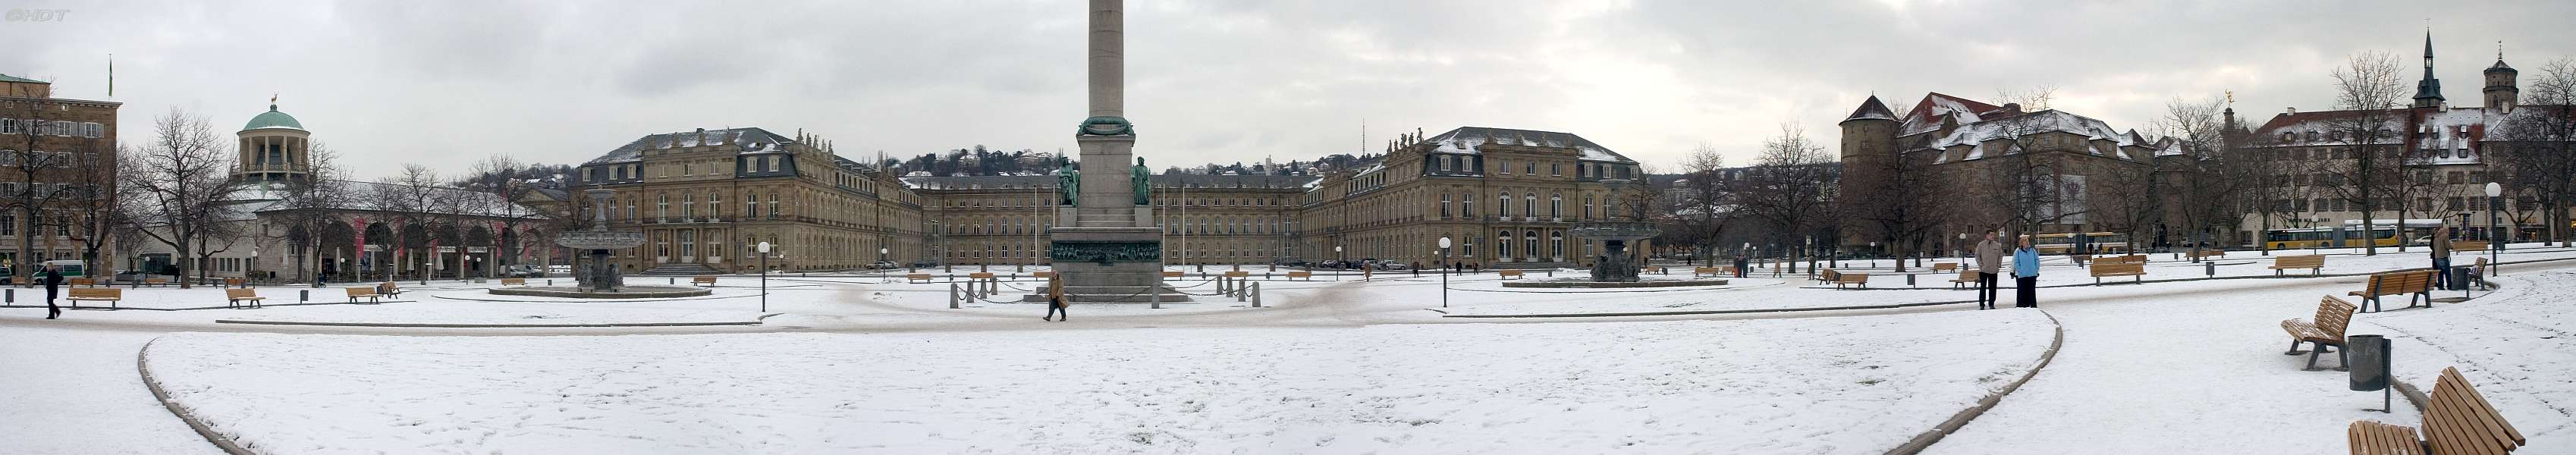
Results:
445 83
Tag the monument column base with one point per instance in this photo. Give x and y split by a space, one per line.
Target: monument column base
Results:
1110 265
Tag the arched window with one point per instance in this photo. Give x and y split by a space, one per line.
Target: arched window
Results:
1556 243
1555 204
1504 206
1503 245
1529 244
1529 205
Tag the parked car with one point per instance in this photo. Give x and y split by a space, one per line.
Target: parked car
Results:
564 269
924 264
522 271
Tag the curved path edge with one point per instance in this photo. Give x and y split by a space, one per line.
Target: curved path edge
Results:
492 326
1960 420
143 364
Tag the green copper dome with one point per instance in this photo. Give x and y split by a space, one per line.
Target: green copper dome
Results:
273 119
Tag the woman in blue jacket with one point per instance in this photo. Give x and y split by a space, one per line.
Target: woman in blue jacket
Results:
2026 275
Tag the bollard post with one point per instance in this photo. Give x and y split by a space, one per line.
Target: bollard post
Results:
952 296
1157 298
674 280
303 295
1239 294
1256 295
550 282
1909 280
2209 268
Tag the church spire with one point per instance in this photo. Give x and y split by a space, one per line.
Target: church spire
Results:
2428 92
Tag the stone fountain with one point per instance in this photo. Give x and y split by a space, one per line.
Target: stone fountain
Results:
599 278
1616 267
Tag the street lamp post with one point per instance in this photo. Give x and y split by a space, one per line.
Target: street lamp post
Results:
2495 202
1444 273
764 275
881 256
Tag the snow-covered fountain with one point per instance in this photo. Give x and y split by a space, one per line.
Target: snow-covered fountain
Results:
600 279
1616 267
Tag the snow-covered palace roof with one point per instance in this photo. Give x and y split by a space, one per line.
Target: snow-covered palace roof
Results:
1465 139
752 140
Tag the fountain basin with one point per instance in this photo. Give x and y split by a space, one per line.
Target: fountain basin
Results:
631 292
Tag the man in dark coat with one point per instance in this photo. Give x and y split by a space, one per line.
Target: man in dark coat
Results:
53 280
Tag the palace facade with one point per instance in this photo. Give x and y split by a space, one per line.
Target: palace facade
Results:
1507 198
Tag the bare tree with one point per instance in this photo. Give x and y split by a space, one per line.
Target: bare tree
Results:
2034 98
1706 202
1895 199
2540 163
1786 188
414 198
497 176
2369 90
308 209
2211 171
175 187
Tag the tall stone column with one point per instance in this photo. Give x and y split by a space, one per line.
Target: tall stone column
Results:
1106 249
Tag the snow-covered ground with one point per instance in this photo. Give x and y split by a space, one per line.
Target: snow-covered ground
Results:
2058 270
1827 385
69 391
488 315
2142 364
2518 348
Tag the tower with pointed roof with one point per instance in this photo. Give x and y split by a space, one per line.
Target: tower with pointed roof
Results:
2428 92
2502 91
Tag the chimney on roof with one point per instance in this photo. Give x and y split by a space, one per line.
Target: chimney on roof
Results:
2294 111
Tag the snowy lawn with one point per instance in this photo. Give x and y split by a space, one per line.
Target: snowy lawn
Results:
488 315
2058 270
1822 385
2517 346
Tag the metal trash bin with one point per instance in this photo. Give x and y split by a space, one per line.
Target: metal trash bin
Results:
2459 277
2367 357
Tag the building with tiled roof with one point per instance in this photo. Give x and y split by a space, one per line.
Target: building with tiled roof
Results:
1951 161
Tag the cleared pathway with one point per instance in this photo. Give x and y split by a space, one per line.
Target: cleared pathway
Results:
2180 369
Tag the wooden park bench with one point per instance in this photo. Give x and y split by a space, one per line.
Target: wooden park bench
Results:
2315 263
1945 267
78 282
1042 275
389 289
2108 268
236 283
1658 270
706 281
2323 331
2478 275
2198 254
245 298
1967 280
1507 274
916 278
1172 274
2416 282
155 281
2469 245
1301 275
2130 259
362 291
980 276
109 295
514 281
1841 279
2457 420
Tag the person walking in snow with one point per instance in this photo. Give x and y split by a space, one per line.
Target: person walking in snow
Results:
1055 308
2442 258
2026 276
53 279
1990 259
